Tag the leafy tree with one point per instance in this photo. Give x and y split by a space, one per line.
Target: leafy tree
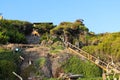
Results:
44 27
16 37
14 31
70 31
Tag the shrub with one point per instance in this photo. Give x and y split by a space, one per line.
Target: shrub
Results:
3 38
40 62
14 31
26 72
6 69
76 66
105 45
9 62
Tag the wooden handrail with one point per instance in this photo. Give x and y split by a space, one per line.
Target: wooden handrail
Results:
17 75
91 58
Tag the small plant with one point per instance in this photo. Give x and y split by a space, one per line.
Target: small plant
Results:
40 62
56 49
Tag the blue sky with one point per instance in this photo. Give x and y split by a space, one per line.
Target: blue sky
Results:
99 15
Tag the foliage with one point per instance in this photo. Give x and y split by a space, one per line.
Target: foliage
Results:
70 31
45 36
16 37
14 31
40 62
27 71
44 27
3 38
6 69
21 26
56 47
76 66
9 55
55 39
9 62
104 46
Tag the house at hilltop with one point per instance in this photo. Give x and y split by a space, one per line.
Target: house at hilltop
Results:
1 17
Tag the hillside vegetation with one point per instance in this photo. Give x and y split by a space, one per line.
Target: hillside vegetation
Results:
71 31
14 31
105 46
9 62
76 66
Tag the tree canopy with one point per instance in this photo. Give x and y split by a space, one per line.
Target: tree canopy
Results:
70 30
43 27
14 31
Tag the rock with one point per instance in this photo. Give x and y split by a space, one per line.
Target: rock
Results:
47 68
52 65
57 63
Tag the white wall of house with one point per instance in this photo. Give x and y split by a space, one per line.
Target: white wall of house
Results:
1 17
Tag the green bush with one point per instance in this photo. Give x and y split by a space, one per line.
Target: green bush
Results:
16 37
6 69
9 62
3 38
40 62
10 56
27 71
76 66
14 31
44 27
105 45
43 37
56 47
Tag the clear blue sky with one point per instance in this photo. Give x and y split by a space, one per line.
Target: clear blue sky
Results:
99 15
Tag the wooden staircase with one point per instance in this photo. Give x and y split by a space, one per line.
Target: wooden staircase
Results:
108 67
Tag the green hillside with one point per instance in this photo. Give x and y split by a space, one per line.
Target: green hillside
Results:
9 62
104 46
14 31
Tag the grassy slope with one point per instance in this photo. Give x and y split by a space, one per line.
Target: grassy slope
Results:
104 46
